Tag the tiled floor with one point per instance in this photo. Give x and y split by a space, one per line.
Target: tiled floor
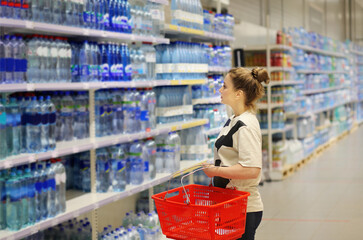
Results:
321 201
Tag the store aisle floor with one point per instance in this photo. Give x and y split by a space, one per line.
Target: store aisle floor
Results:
321 201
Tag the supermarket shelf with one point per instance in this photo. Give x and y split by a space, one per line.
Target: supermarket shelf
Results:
213 131
90 201
197 34
325 109
272 47
319 51
321 90
295 113
273 105
281 69
72 147
284 83
212 69
300 98
30 87
356 52
47 28
321 72
206 100
273 131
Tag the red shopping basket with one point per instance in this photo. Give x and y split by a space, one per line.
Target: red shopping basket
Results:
212 212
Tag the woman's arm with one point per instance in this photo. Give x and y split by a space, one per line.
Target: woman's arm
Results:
234 172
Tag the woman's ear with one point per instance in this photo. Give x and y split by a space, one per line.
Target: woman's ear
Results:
239 94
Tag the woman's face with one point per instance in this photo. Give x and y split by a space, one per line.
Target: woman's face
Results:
228 93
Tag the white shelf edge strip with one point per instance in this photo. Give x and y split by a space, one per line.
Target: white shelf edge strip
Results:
197 33
90 201
25 87
163 2
327 108
67 148
272 47
321 72
206 100
279 130
76 31
321 90
276 83
316 50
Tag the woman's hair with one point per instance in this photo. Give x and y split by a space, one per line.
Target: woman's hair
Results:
250 82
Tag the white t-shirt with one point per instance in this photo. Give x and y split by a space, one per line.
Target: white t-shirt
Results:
240 142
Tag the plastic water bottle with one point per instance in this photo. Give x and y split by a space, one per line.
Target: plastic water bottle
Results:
80 117
3 142
44 125
103 170
67 116
126 62
13 204
118 120
85 172
30 173
3 175
118 163
2 62
169 154
33 134
14 131
52 118
149 156
84 61
41 193
51 185
23 196
9 59
136 172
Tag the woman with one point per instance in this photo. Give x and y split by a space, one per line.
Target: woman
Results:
238 149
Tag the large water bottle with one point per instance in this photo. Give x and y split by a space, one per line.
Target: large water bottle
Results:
44 125
103 170
150 146
126 62
128 112
52 118
13 204
75 68
3 142
84 62
23 196
137 110
118 163
67 117
16 60
136 171
118 120
9 59
33 60
51 185
85 172
33 134
100 113
2 62
42 193
30 173
80 117
14 130
3 176
105 68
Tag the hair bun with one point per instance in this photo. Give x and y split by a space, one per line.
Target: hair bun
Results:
261 75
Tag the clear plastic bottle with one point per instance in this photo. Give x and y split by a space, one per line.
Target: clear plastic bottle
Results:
13 203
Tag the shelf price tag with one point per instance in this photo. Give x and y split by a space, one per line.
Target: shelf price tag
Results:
75 214
75 149
32 158
55 154
30 87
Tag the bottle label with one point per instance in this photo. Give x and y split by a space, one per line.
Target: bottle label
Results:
38 187
128 70
85 70
105 70
106 20
34 119
45 186
100 18
2 64
9 64
52 118
31 191
146 166
14 195
45 118
120 70
144 116
24 65
75 70
51 184
86 17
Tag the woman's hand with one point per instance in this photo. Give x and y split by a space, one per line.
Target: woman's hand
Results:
210 170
